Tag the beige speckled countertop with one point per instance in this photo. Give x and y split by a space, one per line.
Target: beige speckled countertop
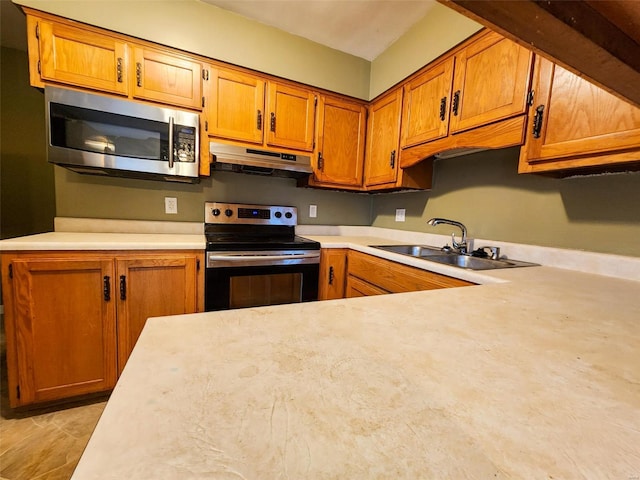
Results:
535 374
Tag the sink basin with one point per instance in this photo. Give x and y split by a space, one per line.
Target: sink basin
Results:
435 254
412 250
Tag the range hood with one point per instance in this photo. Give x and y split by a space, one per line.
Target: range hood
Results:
258 161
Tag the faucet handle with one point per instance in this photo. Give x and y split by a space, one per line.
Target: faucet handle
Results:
494 252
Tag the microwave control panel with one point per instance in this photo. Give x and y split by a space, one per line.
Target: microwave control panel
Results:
185 144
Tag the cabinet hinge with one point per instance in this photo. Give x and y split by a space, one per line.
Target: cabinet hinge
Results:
39 71
202 102
205 74
315 101
206 125
197 264
37 30
10 270
18 392
530 97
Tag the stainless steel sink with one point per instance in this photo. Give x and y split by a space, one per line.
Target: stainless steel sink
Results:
439 255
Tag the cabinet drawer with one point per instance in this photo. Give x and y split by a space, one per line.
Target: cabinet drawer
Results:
359 288
395 277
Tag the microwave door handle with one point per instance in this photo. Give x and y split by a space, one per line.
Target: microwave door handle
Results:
170 142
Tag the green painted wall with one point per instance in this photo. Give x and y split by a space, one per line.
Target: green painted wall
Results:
27 195
105 197
200 28
483 191
438 31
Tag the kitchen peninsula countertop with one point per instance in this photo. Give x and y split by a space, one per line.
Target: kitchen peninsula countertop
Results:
534 377
104 241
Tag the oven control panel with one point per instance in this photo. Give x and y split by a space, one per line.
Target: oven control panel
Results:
240 213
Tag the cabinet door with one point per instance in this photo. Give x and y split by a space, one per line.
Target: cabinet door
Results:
571 117
333 270
425 113
64 322
166 78
236 106
383 140
291 117
151 286
77 57
491 82
342 127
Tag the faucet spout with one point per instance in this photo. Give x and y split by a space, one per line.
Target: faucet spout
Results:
460 246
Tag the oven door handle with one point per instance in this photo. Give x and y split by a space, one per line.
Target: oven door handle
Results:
214 260
240 258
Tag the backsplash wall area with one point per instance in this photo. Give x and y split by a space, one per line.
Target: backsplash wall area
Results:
105 197
595 213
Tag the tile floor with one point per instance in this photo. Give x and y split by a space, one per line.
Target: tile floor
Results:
43 444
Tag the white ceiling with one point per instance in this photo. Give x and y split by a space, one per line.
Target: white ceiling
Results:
364 28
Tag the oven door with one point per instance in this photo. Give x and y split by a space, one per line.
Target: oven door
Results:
250 279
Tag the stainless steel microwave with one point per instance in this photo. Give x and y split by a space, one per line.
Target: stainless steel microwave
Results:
102 135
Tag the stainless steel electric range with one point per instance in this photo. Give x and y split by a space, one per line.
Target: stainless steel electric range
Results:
254 257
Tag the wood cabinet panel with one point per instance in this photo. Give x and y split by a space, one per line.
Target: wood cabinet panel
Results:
151 286
76 57
491 82
394 277
167 78
427 98
383 140
357 287
333 272
71 324
236 106
63 321
341 142
291 117
580 124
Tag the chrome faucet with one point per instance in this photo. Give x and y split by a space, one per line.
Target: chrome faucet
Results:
459 246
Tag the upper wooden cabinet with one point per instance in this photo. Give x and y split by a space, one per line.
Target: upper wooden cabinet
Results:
383 140
73 56
574 124
251 109
341 141
382 162
235 106
291 117
167 78
490 83
425 113
475 97
68 53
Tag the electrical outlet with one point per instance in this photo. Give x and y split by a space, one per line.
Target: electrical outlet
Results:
313 211
400 212
170 205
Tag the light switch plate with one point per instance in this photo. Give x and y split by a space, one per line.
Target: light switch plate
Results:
313 211
400 212
170 205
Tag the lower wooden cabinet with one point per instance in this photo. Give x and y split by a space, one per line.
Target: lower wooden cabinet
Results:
371 275
72 318
346 273
333 272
